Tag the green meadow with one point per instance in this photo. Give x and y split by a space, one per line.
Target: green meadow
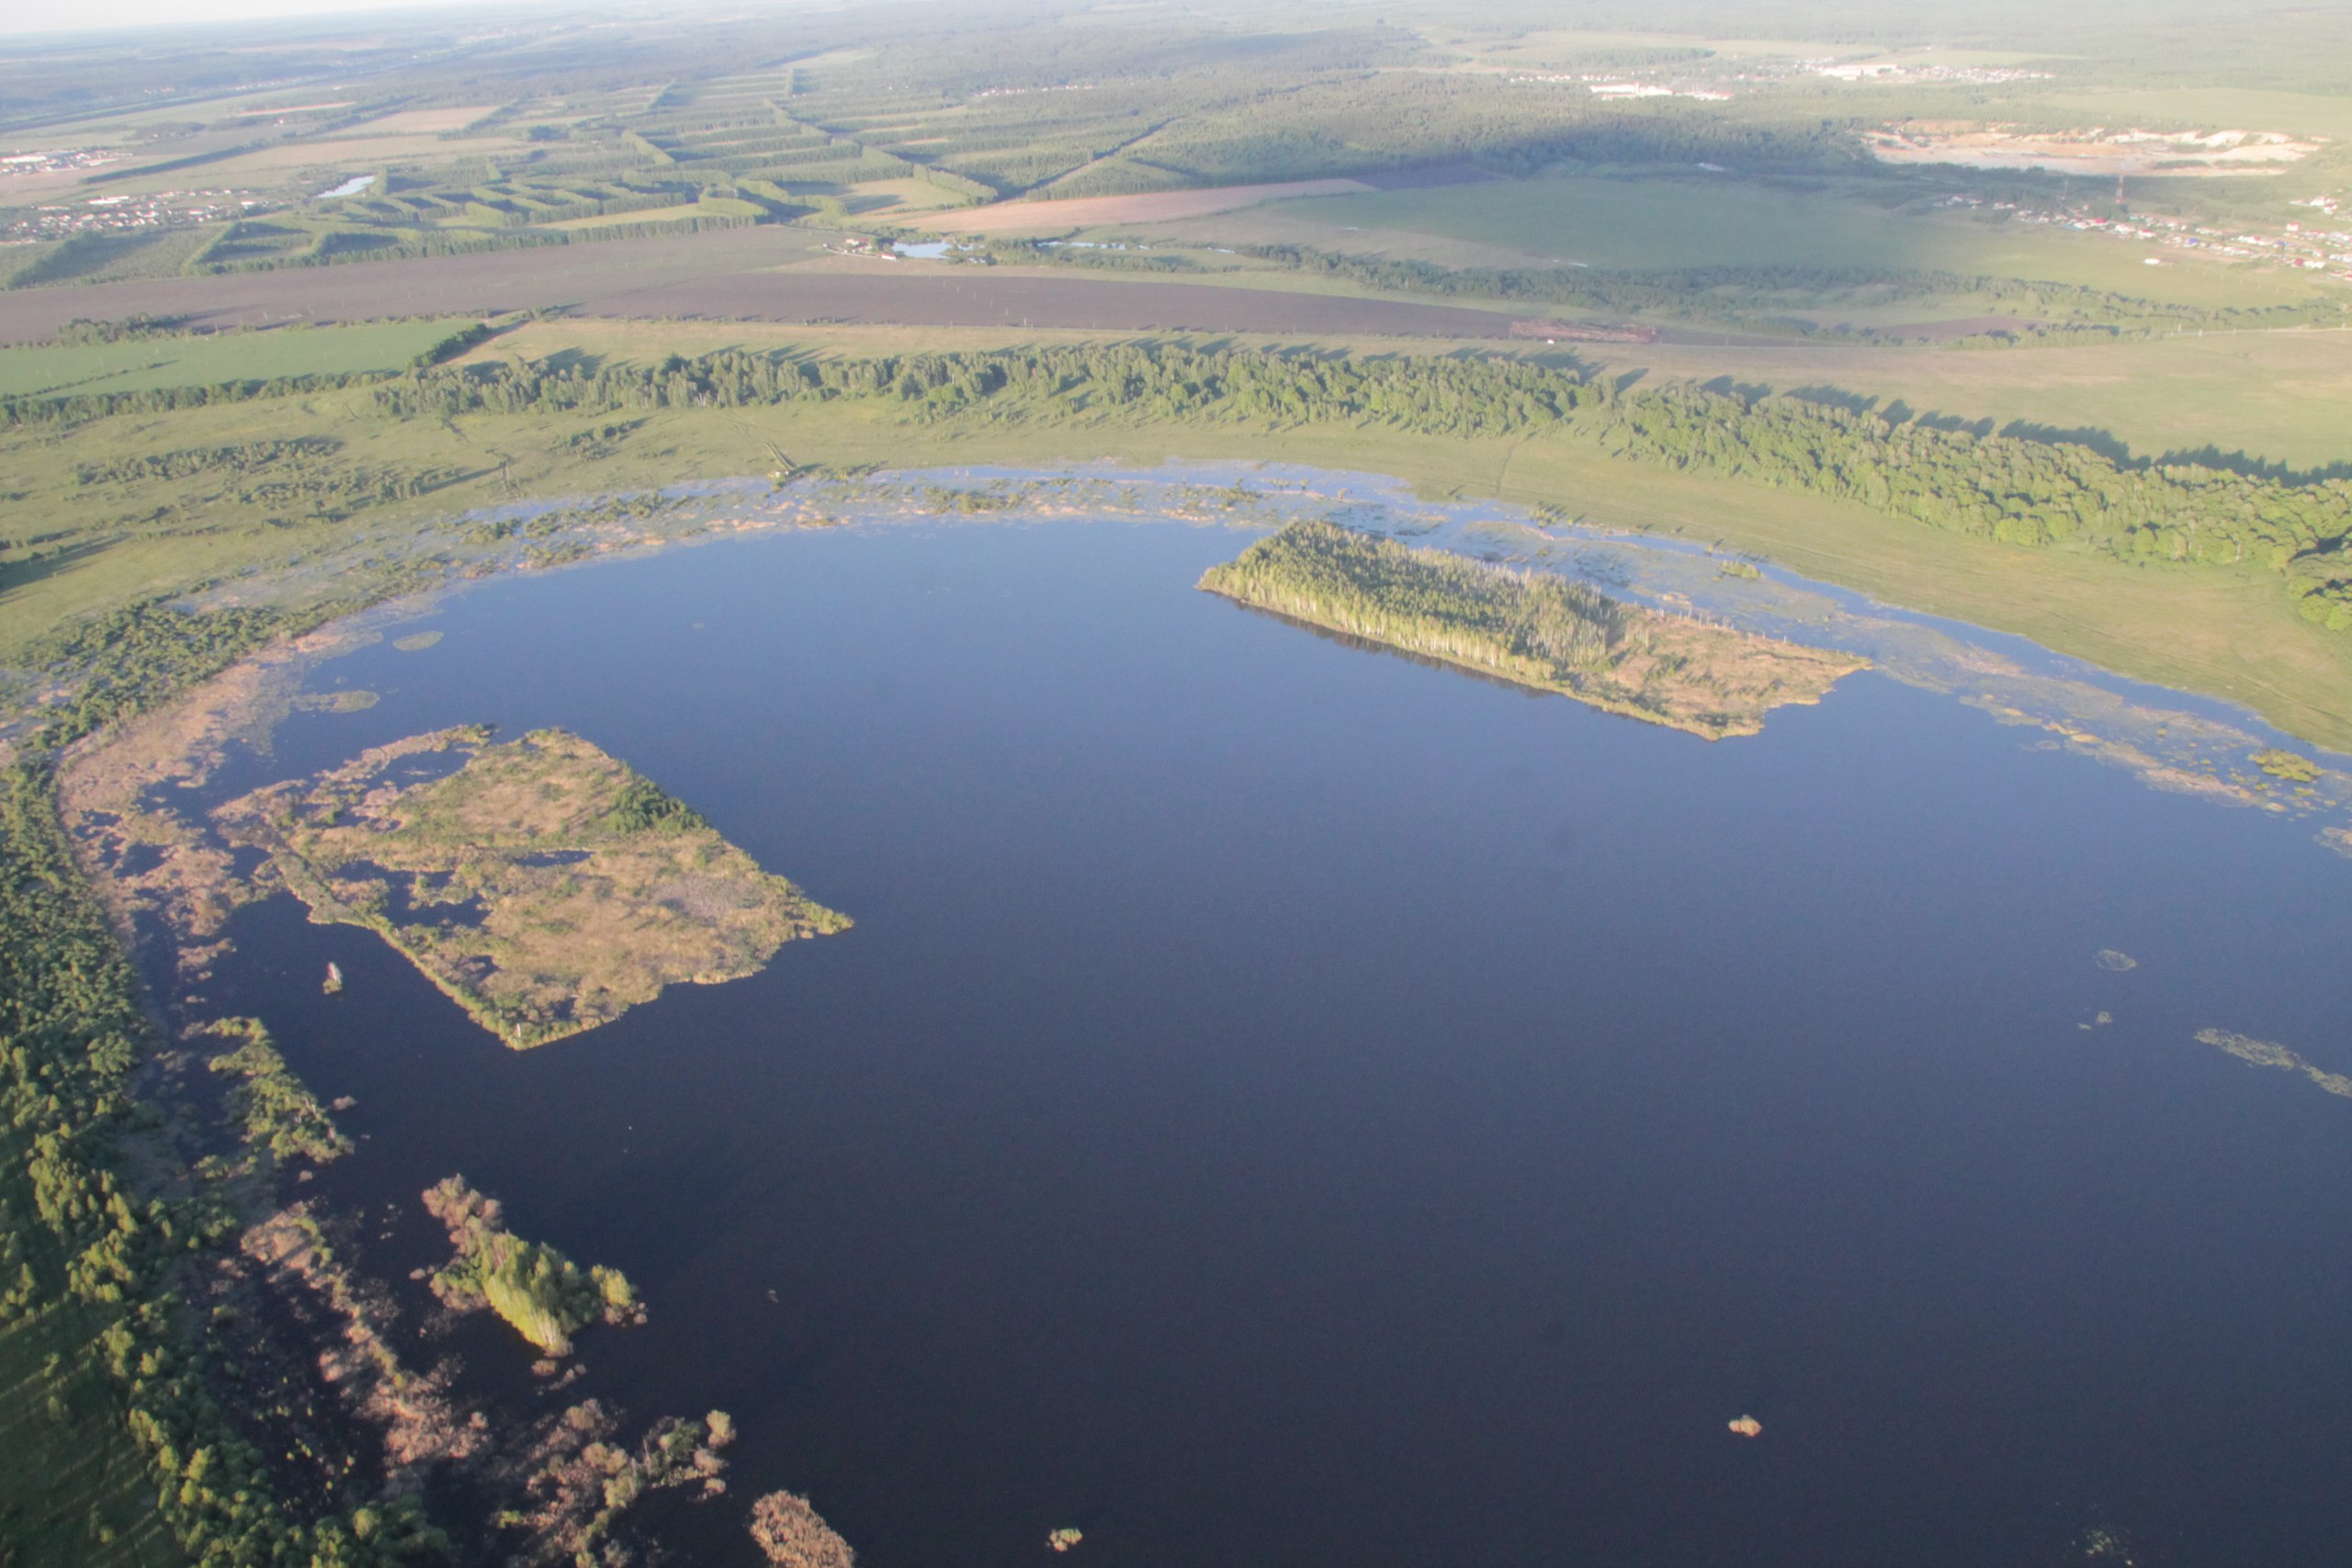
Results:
147 363
1693 220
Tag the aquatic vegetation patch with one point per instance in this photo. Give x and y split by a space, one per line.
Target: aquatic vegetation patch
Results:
581 1484
337 702
278 1111
790 1534
544 1296
419 1424
545 886
2269 1054
2292 766
1532 628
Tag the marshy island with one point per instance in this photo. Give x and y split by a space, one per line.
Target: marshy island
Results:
545 886
1533 629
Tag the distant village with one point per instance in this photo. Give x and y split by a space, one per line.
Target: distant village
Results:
2307 246
117 214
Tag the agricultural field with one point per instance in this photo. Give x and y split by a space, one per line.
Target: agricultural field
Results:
1089 212
145 363
1662 222
887 293
476 285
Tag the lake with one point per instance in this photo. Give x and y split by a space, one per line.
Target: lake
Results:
1287 1104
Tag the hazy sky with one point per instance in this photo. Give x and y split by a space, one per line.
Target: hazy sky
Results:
30 15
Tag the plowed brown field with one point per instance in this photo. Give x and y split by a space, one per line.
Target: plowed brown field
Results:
1150 207
740 275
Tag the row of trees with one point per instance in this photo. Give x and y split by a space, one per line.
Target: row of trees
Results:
1440 397
2014 489
277 1110
36 407
2020 492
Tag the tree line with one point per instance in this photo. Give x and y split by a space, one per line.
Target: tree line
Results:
34 408
2015 489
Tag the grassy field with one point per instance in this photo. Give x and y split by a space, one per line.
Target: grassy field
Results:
894 199
2226 634
2278 397
102 258
654 215
357 152
141 364
1694 221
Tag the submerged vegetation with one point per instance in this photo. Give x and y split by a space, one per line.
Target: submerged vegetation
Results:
545 1296
545 886
579 1482
1531 628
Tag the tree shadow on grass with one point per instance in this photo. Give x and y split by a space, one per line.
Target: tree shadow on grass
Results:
2105 442
1836 398
1749 392
18 576
2251 467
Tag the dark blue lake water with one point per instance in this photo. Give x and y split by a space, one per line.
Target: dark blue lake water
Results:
1286 1105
